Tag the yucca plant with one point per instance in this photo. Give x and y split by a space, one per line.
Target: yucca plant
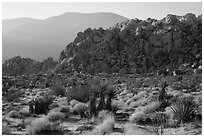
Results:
184 109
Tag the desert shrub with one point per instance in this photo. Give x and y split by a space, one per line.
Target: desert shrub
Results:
159 121
64 109
57 89
6 130
105 127
42 126
14 114
73 102
62 101
104 114
25 122
13 95
54 116
79 92
24 112
131 129
42 104
81 109
142 114
184 109
151 107
54 105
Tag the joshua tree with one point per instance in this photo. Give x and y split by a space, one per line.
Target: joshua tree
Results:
101 105
92 105
109 99
162 93
31 106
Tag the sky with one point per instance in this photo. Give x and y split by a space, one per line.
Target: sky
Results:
140 10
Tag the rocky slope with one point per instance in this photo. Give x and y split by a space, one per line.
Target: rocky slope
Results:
136 46
19 66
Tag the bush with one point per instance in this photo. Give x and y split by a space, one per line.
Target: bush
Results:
57 89
6 130
54 116
24 112
42 104
14 114
184 109
42 126
81 109
79 92
73 102
64 109
25 122
104 128
102 115
142 115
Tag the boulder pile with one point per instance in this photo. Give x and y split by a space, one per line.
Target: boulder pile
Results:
136 46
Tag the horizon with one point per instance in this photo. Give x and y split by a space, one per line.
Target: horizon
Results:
14 10
88 13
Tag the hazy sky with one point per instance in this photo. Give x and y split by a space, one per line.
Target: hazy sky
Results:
139 10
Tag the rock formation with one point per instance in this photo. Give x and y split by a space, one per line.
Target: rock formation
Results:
135 46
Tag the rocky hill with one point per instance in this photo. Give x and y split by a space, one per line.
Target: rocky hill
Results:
136 46
19 66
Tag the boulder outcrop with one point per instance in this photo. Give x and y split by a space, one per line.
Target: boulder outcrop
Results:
135 46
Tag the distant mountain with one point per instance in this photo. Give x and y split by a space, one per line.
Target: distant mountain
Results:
39 39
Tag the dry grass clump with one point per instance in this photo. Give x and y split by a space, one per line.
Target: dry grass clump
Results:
141 114
24 112
42 126
14 114
102 115
73 102
81 109
106 127
131 129
19 114
54 116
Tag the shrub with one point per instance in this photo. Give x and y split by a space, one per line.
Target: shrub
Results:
62 101
131 129
42 126
104 128
25 122
73 102
104 114
64 109
14 114
79 92
142 114
24 112
57 89
81 109
54 116
42 104
6 130
184 109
